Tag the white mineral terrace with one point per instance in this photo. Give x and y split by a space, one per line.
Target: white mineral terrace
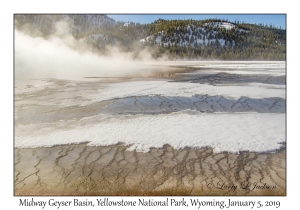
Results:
227 117
213 123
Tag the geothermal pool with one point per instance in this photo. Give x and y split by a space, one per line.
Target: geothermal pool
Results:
171 133
228 106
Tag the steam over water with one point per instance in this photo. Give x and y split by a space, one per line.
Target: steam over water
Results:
62 56
66 93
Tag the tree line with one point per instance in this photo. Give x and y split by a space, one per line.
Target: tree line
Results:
174 39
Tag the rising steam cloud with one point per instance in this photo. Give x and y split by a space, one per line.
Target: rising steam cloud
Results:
64 57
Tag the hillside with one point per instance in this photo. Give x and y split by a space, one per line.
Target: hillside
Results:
217 39
81 24
174 39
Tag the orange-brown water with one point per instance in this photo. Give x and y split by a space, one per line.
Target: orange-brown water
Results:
78 169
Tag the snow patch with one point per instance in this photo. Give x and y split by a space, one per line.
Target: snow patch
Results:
223 132
226 25
175 89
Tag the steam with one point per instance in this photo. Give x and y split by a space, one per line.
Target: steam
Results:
64 57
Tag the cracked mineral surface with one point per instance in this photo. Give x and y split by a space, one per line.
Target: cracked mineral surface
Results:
217 128
78 169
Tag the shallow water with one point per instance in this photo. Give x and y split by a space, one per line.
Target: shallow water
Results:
232 88
173 133
204 104
78 169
